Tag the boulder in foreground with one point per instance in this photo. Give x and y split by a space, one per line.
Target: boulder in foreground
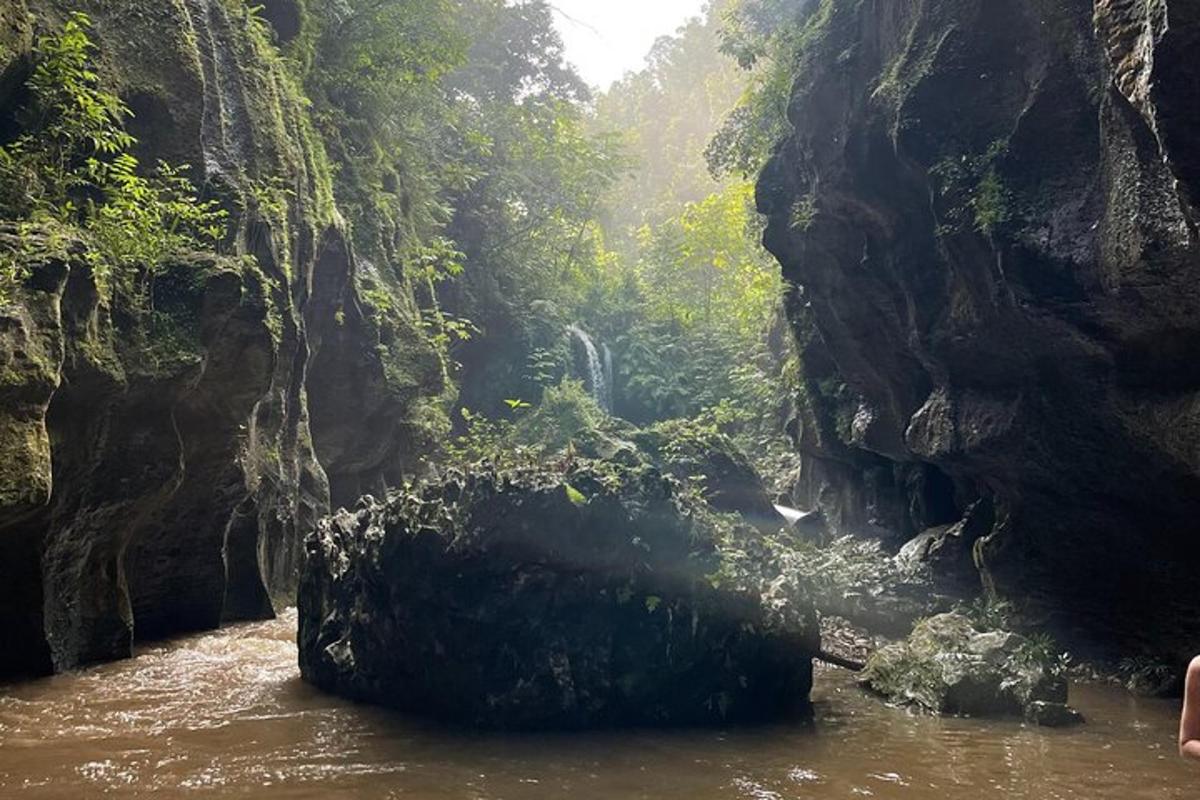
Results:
531 599
947 666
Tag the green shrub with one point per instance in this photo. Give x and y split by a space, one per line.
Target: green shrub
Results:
484 440
73 168
1148 676
566 416
973 191
988 613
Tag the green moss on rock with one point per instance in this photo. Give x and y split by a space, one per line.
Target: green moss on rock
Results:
25 474
949 666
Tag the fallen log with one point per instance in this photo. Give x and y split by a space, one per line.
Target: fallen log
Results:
838 661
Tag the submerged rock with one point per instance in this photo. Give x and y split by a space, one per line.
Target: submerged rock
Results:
527 599
947 666
1052 715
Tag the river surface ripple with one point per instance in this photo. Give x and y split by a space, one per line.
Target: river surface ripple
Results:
225 714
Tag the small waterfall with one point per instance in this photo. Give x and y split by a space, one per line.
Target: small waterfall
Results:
225 123
599 377
608 374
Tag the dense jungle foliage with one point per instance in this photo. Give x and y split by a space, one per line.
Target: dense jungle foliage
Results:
474 164
72 172
530 203
630 213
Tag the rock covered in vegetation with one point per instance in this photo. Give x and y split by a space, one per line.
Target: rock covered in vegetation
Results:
699 453
568 421
948 666
991 209
530 599
859 581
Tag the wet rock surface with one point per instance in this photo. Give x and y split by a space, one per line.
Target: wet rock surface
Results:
948 666
531 599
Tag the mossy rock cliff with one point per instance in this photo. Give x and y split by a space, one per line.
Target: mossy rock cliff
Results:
990 212
159 463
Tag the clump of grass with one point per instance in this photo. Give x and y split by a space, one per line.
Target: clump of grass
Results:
988 613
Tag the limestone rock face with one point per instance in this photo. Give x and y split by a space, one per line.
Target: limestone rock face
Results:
539 600
157 470
990 212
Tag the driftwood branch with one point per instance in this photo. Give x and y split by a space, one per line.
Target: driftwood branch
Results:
838 661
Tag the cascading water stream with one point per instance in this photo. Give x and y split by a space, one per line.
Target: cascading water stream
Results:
599 377
608 374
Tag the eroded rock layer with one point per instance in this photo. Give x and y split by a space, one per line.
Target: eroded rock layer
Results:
157 470
989 214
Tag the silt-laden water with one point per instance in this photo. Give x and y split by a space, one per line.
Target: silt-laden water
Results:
225 714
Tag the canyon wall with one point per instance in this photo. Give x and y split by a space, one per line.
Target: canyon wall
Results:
158 471
987 212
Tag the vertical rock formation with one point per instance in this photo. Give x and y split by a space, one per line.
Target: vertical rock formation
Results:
157 476
989 213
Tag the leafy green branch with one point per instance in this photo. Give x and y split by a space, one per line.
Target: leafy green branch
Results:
73 168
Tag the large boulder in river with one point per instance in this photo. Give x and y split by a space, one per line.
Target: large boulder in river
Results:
948 666
530 599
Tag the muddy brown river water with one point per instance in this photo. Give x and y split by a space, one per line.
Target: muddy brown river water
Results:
225 715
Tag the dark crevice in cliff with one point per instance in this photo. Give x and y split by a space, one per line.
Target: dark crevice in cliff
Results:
14 96
22 597
998 287
286 18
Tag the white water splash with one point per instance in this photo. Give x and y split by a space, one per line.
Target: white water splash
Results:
792 515
599 380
